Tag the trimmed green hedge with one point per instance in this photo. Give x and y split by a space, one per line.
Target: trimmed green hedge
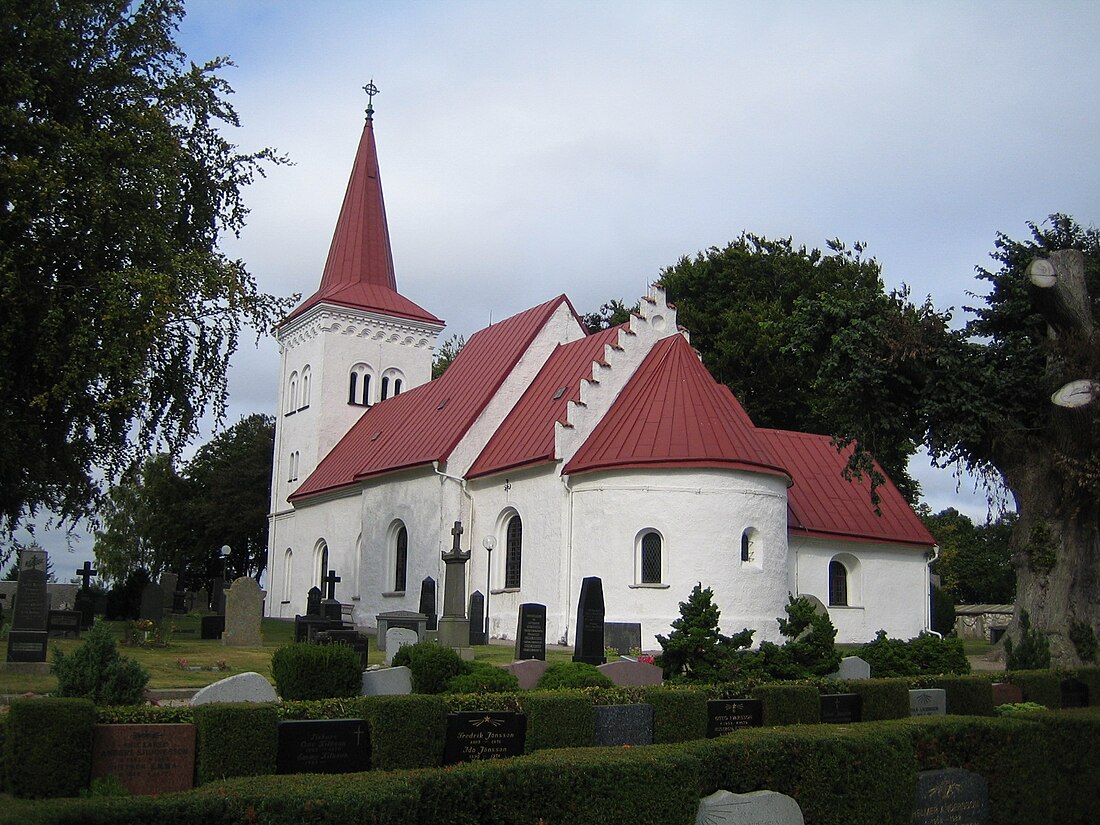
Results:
1042 686
786 704
679 714
882 698
235 740
559 719
1091 677
966 695
405 731
307 671
48 747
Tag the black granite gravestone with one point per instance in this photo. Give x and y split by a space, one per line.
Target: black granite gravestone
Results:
63 624
841 708
85 602
477 619
427 603
623 636
152 602
212 626
1075 693
951 795
588 646
531 632
313 601
352 638
217 596
323 746
330 607
727 715
472 737
27 637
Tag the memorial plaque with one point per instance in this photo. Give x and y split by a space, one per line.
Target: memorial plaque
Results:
1075 693
27 645
618 725
323 746
841 708
146 759
951 796
588 646
755 808
63 624
1006 693
727 715
623 636
472 737
531 632
928 702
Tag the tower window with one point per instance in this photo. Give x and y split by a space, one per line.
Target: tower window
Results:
385 387
359 385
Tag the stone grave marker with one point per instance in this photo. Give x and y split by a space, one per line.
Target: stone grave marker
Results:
211 626
528 671
152 602
416 622
146 759
531 632
756 808
330 606
396 638
478 635
386 681
85 603
63 624
627 673
351 638
1006 693
1075 693
727 715
841 708
928 702
852 667
202 602
313 601
951 796
472 737
217 596
588 646
244 608
618 725
240 687
623 636
27 636
428 603
323 746
168 585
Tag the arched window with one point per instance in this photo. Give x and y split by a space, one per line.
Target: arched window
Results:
293 475
400 558
746 554
649 566
288 568
385 387
320 564
838 584
353 385
305 386
750 546
397 387
513 552
359 385
292 392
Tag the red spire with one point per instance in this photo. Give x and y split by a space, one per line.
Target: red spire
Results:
359 270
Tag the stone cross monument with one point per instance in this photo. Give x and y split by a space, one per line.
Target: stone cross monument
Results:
454 627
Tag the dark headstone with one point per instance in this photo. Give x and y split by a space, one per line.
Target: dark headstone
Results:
1006 693
531 632
588 646
152 602
1075 693
841 708
951 796
427 603
477 619
211 627
27 645
727 715
306 628
623 636
352 638
217 595
27 637
85 606
618 725
323 746
472 737
63 624
179 602
313 602
146 759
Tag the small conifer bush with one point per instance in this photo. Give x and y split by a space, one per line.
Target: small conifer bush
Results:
96 671
432 665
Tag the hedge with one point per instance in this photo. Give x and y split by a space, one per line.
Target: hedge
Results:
786 704
679 715
235 740
1042 686
882 698
48 747
558 719
405 731
966 695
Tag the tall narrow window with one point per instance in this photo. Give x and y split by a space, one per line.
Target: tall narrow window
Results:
288 569
359 385
396 387
353 385
400 558
838 584
746 554
292 393
306 376
651 558
514 552
385 387
320 563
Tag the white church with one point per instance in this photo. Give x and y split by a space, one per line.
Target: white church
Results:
564 455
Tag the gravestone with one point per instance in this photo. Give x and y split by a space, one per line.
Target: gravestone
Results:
1075 693
628 673
416 622
85 602
397 638
211 626
313 601
202 602
841 708
531 632
240 687
623 636
386 681
473 737
217 596
152 602
756 808
528 671
852 667
427 602
323 746
350 638
168 584
453 627
727 715
307 628
588 646
27 636
330 607
478 636
145 759
244 608
928 702
951 796
1006 693
618 725
63 624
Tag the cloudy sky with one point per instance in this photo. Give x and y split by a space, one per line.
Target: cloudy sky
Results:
529 149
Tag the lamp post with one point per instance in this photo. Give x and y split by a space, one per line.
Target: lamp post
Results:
489 542
226 550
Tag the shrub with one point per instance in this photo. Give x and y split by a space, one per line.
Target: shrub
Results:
882 698
966 695
572 675
695 650
482 677
432 665
1042 686
943 611
559 719
307 671
679 715
96 671
235 740
1033 651
809 649
1084 641
405 731
924 654
48 747
1018 708
789 704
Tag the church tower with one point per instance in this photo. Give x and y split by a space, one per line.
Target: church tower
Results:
354 342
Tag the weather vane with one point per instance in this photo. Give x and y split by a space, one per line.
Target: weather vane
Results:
371 91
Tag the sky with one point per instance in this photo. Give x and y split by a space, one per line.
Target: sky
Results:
529 149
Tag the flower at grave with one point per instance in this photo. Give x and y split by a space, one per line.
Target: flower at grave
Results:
647 659
221 665
181 663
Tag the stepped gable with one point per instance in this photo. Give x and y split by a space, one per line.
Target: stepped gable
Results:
526 436
672 413
425 423
824 504
359 272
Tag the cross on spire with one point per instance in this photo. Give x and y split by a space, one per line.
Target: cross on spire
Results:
371 91
330 579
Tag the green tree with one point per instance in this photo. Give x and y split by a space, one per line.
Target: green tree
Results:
975 563
119 310
447 353
611 314
696 650
809 647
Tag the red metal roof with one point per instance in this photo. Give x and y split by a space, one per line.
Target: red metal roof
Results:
673 413
526 436
822 503
425 424
359 271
